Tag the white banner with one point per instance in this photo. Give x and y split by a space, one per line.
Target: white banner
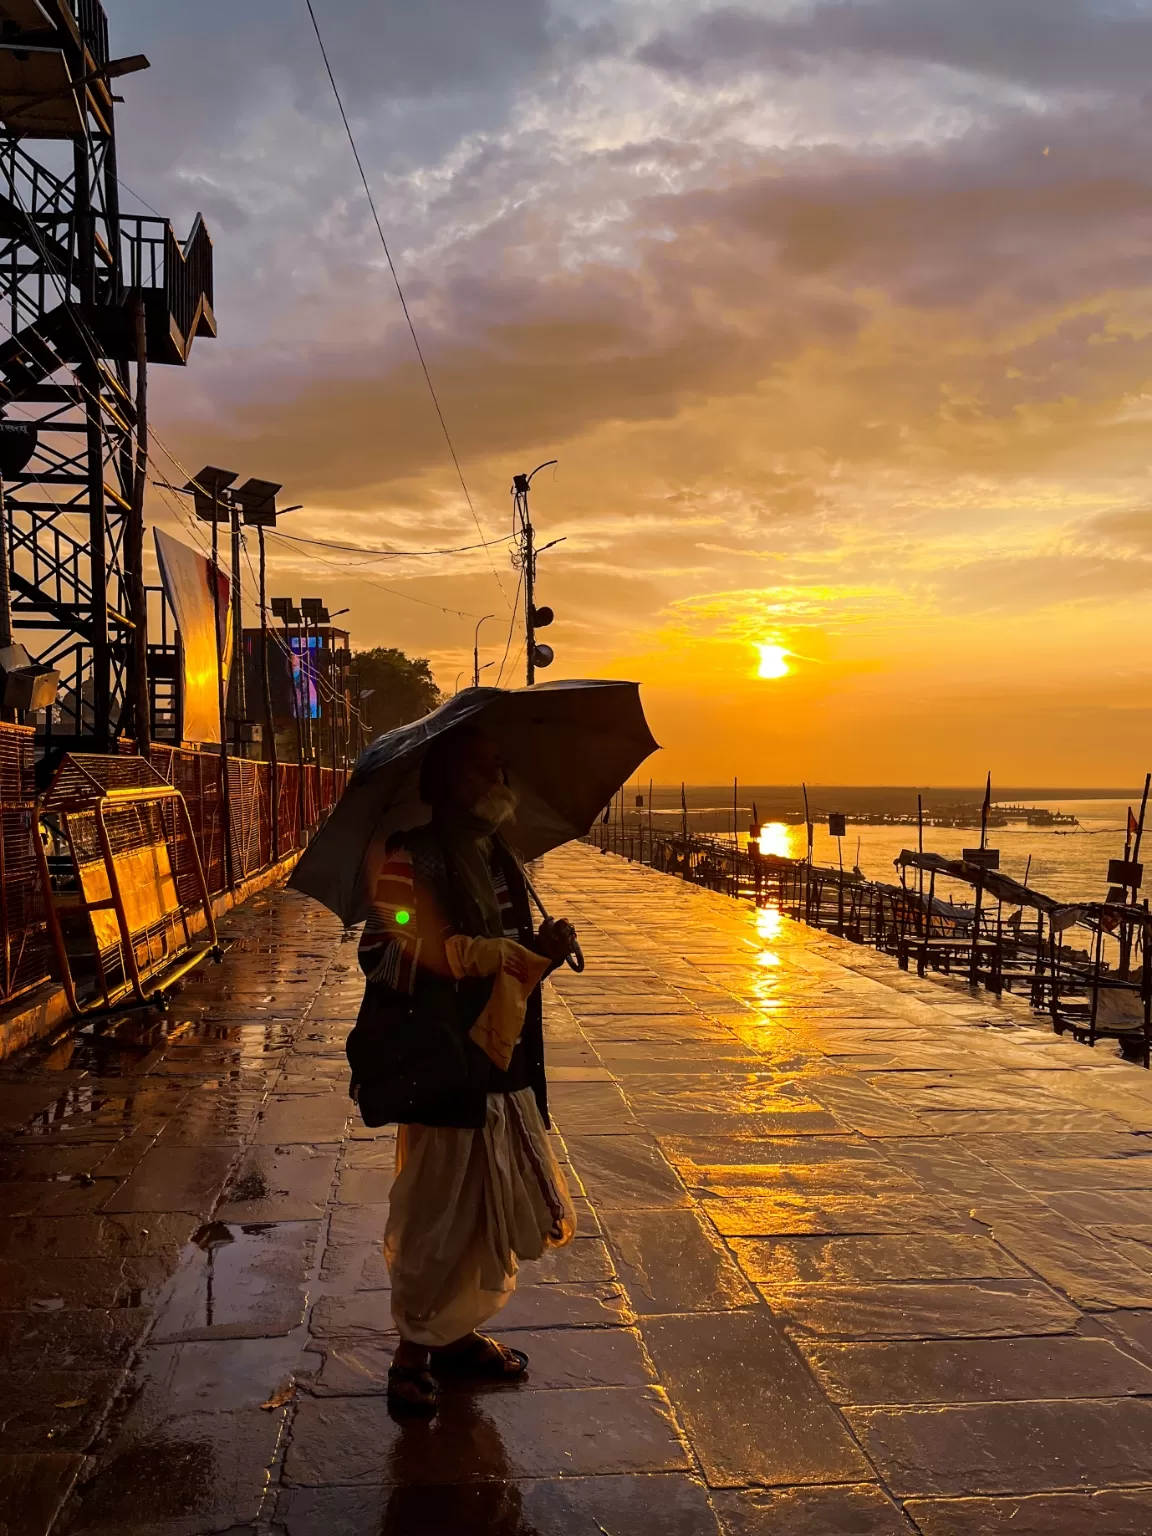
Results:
188 583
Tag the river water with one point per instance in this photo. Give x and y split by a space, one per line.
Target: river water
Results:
1070 864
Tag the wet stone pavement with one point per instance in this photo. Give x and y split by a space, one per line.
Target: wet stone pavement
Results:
859 1253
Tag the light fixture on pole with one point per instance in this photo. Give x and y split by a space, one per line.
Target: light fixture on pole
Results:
476 650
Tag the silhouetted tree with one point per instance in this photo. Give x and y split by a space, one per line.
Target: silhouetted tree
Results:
402 687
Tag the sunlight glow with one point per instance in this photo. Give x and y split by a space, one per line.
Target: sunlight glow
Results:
773 661
769 922
774 839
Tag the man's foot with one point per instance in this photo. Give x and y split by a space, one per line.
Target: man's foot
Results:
411 1386
478 1355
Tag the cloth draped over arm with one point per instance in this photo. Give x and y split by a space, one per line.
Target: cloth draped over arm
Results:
516 973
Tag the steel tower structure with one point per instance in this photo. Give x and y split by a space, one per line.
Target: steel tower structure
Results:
88 298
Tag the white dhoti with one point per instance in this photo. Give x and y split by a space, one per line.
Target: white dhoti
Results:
466 1207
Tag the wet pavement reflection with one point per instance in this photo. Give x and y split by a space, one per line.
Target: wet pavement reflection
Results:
858 1253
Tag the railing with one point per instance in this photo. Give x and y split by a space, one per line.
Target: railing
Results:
27 951
155 261
26 959
93 27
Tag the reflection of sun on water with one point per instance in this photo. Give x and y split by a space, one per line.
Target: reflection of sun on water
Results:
769 922
774 838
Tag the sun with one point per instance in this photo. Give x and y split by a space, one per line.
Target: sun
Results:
773 661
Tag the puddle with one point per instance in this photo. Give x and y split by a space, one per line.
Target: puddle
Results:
238 1280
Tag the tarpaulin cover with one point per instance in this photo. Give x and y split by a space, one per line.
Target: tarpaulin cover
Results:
1001 886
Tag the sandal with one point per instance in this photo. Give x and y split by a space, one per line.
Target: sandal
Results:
425 1396
482 1357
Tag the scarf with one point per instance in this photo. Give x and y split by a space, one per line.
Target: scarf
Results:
467 840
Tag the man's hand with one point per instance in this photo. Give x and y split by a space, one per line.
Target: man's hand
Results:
555 939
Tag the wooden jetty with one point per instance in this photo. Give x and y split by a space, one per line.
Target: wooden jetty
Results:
1087 965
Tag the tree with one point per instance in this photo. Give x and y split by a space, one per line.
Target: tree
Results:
400 688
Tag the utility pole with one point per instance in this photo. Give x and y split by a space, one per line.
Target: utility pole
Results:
534 618
239 691
285 609
269 720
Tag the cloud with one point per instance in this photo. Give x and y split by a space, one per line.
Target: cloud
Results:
837 316
1049 44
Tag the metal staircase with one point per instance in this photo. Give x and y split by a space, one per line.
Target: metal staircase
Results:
75 276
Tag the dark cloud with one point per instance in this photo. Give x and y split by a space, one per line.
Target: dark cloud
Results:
425 71
1053 44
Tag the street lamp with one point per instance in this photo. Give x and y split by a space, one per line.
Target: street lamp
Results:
209 495
476 650
257 502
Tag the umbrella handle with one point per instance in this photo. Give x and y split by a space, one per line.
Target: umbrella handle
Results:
574 959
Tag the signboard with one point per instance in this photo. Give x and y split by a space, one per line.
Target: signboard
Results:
188 581
837 825
1125 872
987 858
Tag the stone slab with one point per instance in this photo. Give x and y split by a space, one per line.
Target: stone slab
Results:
280 1183
1107 1513
33 1486
1001 1448
729 1375
639 1504
975 1370
961 1309
626 1173
850 1510
672 1261
889 1256
502 1435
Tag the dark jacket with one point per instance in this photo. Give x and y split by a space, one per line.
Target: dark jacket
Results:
410 1055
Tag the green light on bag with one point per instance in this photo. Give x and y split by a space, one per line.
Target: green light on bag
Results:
403 917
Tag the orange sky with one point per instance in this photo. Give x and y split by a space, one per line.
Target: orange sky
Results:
837 317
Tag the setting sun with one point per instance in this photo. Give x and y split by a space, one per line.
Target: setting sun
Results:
773 661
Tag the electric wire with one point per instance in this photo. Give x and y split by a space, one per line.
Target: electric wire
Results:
399 288
511 627
459 613
396 554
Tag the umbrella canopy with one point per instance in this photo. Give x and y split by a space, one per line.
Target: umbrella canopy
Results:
568 746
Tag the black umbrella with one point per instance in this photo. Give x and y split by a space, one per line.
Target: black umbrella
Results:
568 746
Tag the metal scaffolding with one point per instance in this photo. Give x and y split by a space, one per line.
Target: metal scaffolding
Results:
89 297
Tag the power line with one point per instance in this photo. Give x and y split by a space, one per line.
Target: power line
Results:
511 627
336 565
395 554
399 289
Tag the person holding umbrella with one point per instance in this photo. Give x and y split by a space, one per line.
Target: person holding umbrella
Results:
427 847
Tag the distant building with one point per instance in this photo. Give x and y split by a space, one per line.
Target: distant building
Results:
308 681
